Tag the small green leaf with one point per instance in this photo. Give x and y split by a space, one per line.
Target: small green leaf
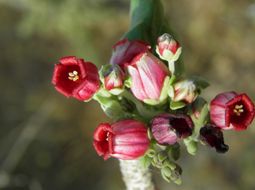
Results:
191 146
178 181
200 82
167 171
175 151
169 163
151 153
164 176
199 112
162 156
146 161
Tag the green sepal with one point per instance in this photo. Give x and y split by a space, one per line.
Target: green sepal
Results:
162 156
164 90
116 91
128 82
149 133
151 102
151 153
176 105
176 175
170 164
166 173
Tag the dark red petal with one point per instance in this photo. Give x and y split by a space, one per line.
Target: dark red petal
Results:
61 81
87 89
100 134
124 51
213 136
102 149
83 67
68 60
103 140
90 83
245 119
183 125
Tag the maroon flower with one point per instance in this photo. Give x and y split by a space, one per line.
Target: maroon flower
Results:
126 139
213 136
76 78
124 51
231 110
167 128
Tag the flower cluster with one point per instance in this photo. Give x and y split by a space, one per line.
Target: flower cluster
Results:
153 106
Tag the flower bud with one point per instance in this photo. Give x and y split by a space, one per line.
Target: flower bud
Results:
185 91
149 78
124 51
126 139
76 78
112 77
231 110
168 49
168 128
213 136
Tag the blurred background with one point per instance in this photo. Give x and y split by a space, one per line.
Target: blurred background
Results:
46 139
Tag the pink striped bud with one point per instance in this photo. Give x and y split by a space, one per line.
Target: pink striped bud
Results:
149 78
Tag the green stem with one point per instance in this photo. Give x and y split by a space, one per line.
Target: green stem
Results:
143 110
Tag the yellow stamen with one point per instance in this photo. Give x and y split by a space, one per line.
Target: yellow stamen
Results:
107 136
238 110
73 76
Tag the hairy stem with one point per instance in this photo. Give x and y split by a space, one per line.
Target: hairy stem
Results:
135 176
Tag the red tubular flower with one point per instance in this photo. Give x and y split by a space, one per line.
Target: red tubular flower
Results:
124 51
231 110
168 49
168 128
126 140
76 78
148 76
213 136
